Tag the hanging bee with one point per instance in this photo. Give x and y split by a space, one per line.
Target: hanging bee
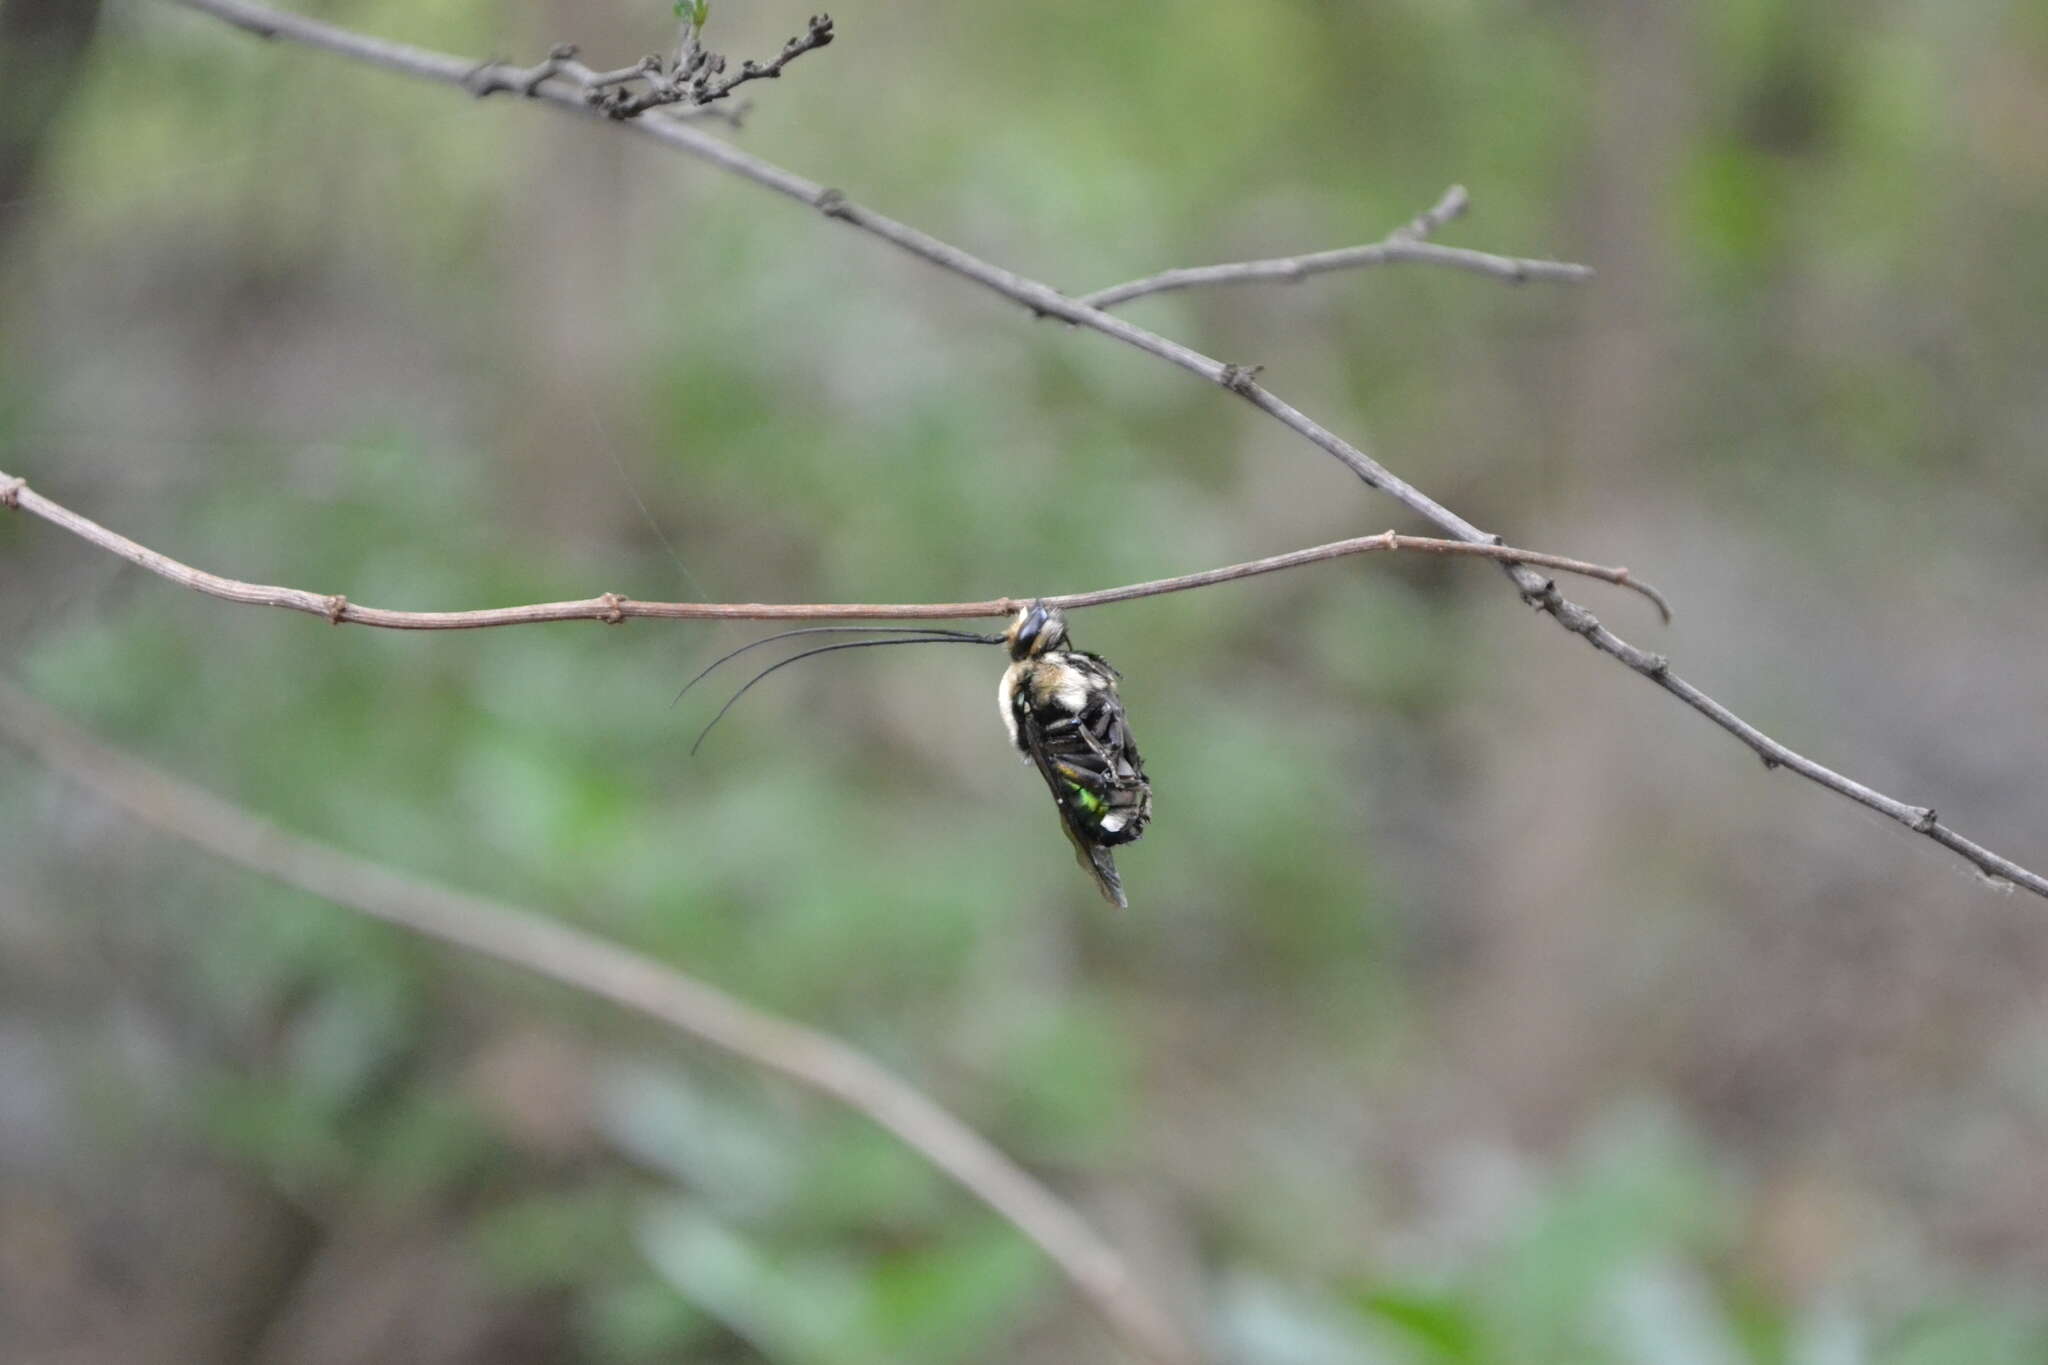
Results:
1062 712
1064 715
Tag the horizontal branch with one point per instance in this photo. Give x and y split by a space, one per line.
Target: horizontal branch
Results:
1045 301
1404 245
536 943
612 608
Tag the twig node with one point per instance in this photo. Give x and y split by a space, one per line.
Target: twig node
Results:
483 79
337 608
10 491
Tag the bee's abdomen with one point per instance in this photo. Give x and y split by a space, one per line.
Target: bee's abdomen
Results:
1114 814
1102 778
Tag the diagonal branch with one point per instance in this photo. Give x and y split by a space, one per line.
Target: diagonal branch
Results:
1044 300
547 948
1404 244
612 609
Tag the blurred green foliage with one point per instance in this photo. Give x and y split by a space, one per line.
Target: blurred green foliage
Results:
303 323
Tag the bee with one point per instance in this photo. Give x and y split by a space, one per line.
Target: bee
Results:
1061 710
1064 716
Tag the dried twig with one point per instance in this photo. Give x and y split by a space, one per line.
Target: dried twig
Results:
612 609
1044 300
1403 244
688 83
541 945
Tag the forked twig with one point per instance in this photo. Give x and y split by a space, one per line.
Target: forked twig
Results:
1405 244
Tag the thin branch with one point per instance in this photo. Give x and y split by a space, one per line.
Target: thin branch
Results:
1403 245
612 609
1044 300
812 1059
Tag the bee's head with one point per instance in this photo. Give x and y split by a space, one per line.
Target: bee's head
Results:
1036 630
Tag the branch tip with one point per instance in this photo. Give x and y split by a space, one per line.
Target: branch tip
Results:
1663 607
1452 205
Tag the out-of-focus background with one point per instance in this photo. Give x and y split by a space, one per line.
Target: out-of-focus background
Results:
1477 1003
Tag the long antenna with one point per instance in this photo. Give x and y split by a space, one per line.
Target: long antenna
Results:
930 631
959 638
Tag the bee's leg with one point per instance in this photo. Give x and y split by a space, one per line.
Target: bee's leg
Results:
1068 736
1085 728
1082 768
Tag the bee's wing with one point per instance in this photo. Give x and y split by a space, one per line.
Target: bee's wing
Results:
1072 766
1102 867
